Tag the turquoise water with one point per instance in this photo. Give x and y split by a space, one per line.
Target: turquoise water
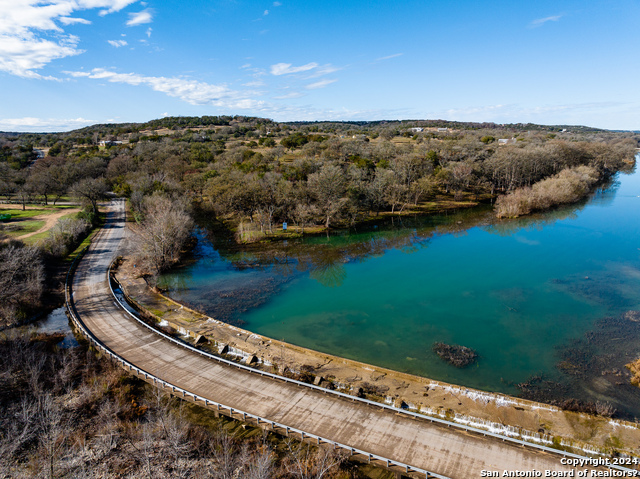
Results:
516 291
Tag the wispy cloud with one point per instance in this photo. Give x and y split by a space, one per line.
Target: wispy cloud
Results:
389 57
73 21
117 43
288 69
324 70
541 21
277 4
31 124
148 32
571 113
320 84
26 42
140 18
112 5
266 12
190 91
293 94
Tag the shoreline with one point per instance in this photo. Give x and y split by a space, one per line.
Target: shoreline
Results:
495 412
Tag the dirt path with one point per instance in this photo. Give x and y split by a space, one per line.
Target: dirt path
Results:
49 219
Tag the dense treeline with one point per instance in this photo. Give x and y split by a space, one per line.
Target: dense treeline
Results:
254 174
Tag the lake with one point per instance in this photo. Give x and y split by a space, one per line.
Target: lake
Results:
541 299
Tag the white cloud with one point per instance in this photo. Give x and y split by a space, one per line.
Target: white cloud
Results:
25 27
72 21
266 12
287 68
324 70
320 84
293 94
117 43
541 21
389 57
148 32
31 124
276 4
113 5
191 91
140 18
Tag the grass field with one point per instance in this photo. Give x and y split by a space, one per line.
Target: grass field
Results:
40 236
28 221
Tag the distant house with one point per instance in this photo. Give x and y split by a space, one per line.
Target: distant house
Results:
417 130
505 141
443 129
359 137
105 143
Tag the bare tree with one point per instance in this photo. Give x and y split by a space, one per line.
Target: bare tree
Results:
89 191
329 188
21 280
305 462
162 233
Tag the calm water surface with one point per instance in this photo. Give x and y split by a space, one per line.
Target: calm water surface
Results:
516 291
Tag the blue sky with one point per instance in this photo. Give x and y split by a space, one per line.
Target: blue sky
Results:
70 63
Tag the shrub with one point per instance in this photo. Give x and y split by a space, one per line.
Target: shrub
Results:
64 235
568 186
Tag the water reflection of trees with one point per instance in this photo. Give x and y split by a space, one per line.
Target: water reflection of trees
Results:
324 257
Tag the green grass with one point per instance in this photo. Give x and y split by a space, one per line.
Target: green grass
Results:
18 214
26 227
31 240
87 241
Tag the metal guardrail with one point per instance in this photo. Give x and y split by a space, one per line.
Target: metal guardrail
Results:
350 397
207 402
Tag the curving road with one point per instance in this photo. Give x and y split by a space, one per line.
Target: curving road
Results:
419 443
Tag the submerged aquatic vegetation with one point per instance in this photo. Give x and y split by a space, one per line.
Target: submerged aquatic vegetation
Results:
456 355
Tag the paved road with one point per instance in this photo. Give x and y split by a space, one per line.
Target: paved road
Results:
447 451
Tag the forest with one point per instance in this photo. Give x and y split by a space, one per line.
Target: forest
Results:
252 175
